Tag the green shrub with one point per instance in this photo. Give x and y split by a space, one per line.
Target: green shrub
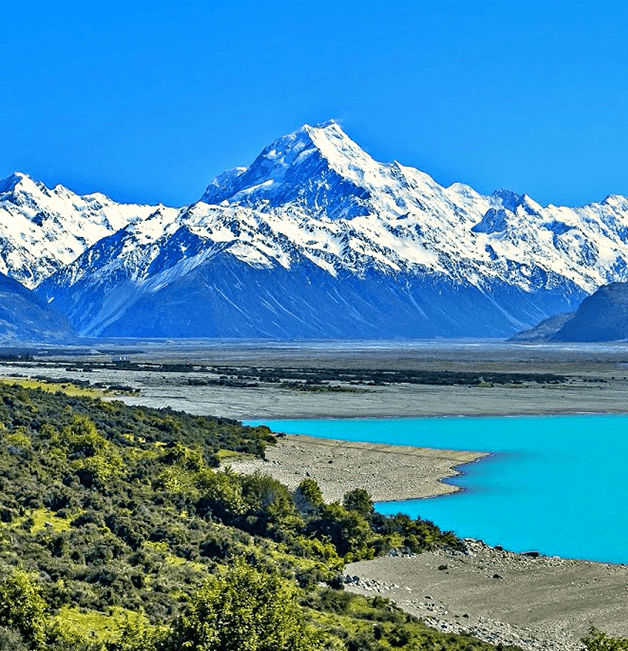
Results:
244 610
599 641
358 500
22 608
308 495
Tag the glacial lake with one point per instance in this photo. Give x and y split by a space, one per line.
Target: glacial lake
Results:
554 484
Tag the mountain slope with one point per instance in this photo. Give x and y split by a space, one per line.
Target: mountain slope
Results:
603 316
225 298
317 239
545 330
24 317
42 230
257 276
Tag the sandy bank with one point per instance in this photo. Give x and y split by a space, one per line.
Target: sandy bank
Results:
387 472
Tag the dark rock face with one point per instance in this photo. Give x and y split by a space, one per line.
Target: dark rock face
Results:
603 316
25 317
545 330
228 298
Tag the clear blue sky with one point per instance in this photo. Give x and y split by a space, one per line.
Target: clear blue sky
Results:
148 101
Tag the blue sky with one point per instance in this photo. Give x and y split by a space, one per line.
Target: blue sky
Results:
148 101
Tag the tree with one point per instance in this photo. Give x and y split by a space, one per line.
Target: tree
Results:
270 505
308 495
221 494
348 531
245 610
358 500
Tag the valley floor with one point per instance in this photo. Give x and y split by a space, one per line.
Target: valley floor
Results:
596 377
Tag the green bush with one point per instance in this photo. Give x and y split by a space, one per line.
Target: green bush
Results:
308 495
600 641
22 608
244 610
348 531
360 501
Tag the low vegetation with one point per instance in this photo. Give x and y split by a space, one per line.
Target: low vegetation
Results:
70 387
600 641
305 378
118 532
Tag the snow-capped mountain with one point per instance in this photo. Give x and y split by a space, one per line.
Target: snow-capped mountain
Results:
43 230
317 239
454 230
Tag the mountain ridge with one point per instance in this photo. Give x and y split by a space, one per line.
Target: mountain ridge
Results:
314 197
42 229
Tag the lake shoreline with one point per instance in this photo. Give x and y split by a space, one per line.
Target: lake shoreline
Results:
434 416
537 603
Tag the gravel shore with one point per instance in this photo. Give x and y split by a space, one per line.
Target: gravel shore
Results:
387 472
534 603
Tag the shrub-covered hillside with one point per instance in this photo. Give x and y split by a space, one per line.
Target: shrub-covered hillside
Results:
119 533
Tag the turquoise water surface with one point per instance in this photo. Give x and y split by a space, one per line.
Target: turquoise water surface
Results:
554 484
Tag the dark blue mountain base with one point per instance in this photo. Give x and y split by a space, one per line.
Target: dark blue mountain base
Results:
26 317
603 316
228 298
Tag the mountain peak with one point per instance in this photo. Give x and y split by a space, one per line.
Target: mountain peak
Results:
618 201
326 124
509 199
327 138
312 166
10 183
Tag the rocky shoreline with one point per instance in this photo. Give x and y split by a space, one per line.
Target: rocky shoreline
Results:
534 602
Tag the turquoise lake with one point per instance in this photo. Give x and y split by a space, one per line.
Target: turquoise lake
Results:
556 484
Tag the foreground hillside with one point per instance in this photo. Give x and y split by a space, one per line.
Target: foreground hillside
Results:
118 533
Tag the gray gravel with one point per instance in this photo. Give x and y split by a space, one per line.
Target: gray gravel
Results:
387 472
535 603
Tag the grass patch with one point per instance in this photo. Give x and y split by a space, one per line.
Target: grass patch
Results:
39 520
232 455
45 519
67 388
95 626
